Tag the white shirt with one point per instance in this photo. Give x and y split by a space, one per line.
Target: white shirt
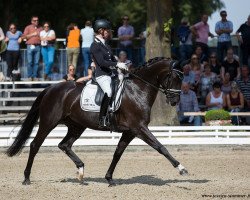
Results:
87 34
44 34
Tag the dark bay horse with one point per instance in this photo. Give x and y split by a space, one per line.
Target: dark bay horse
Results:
60 104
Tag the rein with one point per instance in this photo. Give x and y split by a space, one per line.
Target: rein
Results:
167 91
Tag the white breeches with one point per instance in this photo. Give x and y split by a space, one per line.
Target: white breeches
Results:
105 84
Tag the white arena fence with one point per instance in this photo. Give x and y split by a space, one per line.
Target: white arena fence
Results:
167 135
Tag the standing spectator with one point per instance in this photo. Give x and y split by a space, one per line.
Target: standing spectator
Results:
244 40
230 65
214 64
223 28
13 37
73 44
235 102
188 103
201 32
143 36
185 40
32 36
48 38
87 35
2 44
216 99
125 35
71 75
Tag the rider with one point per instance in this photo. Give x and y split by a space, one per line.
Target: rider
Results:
105 62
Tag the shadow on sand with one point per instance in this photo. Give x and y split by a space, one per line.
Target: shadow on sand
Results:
145 179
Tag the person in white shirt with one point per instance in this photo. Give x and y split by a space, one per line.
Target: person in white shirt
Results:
87 35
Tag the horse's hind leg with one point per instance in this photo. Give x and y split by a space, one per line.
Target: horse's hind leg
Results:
34 147
66 144
126 138
145 134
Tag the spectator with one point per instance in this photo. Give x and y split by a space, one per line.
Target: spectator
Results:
244 85
123 58
55 75
197 69
32 36
201 33
185 40
13 38
188 76
214 64
87 35
223 28
201 56
235 102
143 36
2 43
244 40
125 35
91 69
71 76
73 44
226 84
48 38
231 66
188 103
216 99
206 82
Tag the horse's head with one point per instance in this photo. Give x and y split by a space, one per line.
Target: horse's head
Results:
171 82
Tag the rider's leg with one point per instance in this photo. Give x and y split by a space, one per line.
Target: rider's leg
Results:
105 84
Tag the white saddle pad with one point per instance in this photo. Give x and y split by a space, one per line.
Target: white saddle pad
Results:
88 94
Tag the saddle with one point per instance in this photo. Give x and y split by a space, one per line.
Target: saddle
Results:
92 95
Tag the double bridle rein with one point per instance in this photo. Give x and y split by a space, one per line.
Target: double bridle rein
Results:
167 91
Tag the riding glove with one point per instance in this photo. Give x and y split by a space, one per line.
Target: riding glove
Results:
122 66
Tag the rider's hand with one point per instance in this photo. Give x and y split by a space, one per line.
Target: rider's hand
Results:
122 66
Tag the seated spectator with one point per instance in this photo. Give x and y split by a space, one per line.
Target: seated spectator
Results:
123 58
226 84
188 76
235 102
188 103
55 75
216 99
91 69
201 56
214 64
206 82
244 85
231 66
197 69
71 76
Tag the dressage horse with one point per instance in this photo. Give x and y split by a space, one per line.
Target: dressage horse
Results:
60 104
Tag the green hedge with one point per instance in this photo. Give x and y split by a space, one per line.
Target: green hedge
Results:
217 115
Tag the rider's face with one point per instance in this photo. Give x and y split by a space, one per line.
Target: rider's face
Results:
106 34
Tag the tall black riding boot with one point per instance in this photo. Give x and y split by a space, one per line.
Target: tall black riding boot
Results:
104 111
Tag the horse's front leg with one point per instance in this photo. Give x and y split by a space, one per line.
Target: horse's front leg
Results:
126 138
145 134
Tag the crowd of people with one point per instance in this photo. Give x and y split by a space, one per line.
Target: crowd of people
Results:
40 41
213 79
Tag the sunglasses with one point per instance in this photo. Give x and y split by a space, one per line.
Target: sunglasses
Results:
125 19
45 26
35 20
71 69
12 28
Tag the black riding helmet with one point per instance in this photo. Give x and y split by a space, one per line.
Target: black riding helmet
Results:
101 23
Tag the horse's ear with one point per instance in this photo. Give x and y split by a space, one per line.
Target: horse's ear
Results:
184 62
175 64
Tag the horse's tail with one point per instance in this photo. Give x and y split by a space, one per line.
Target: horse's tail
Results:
27 126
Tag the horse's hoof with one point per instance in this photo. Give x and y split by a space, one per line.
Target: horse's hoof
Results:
184 172
80 174
111 182
26 182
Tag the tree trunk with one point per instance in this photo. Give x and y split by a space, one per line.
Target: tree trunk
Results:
158 45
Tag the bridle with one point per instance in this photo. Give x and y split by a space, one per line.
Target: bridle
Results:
169 92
